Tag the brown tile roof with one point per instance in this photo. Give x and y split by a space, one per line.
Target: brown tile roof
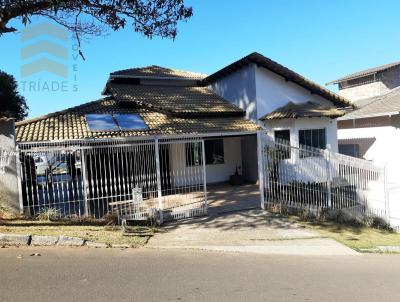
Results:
309 109
71 124
364 73
175 100
376 106
283 71
154 71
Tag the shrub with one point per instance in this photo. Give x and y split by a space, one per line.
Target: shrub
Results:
110 218
48 214
380 224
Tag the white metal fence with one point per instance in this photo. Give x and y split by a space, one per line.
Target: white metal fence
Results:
305 177
93 178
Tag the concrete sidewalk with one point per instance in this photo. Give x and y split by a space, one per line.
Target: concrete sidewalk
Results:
250 231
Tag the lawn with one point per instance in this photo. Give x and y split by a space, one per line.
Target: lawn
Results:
357 238
91 232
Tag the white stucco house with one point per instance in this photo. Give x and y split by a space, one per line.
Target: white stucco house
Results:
225 110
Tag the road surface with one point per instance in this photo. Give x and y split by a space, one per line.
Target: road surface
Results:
82 274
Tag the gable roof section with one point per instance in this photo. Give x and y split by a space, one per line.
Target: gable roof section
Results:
175 100
309 109
281 70
155 71
71 123
365 72
388 103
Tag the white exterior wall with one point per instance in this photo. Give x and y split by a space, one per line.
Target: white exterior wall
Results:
313 168
239 88
294 125
384 151
273 91
259 91
215 173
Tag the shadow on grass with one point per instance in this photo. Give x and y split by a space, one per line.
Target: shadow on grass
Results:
21 222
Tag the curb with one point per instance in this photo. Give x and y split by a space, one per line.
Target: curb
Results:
18 240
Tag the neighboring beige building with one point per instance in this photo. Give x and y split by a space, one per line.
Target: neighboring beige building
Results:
370 82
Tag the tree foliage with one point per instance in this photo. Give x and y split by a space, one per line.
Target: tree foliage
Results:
93 17
12 104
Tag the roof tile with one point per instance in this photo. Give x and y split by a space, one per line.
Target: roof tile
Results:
55 126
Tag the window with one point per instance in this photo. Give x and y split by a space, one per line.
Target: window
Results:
193 154
283 137
214 152
350 150
315 138
115 122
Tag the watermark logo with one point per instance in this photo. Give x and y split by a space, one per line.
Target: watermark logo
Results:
45 59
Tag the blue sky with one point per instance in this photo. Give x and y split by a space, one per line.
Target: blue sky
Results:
321 40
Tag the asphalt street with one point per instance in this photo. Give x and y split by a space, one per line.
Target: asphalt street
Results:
83 274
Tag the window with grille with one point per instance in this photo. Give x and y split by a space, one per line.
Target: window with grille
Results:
214 152
314 138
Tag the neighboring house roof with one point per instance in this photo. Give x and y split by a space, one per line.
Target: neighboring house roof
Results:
283 71
71 123
388 103
364 73
175 100
309 109
154 71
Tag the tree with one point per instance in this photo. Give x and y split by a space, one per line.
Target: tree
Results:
92 17
12 104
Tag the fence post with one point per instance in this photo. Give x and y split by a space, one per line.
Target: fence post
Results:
158 172
85 183
19 179
329 178
386 192
260 156
203 152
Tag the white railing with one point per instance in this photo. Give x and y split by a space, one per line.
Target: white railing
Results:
306 177
93 178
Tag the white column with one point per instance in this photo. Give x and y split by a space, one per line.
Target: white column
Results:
19 179
158 169
203 154
84 183
260 156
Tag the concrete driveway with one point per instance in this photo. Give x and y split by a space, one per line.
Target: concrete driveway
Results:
252 231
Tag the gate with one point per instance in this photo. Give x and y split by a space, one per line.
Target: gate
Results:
93 178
